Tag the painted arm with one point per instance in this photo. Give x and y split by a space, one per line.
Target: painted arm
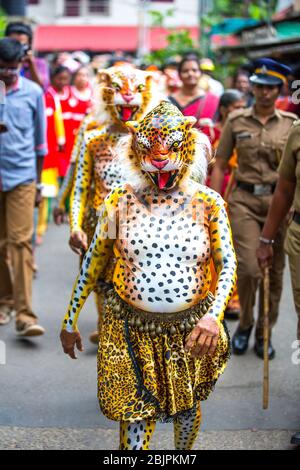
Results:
204 337
66 188
93 265
79 139
81 187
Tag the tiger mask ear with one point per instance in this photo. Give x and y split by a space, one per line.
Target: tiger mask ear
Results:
189 122
103 77
149 76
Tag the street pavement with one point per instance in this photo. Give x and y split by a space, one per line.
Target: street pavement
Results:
48 401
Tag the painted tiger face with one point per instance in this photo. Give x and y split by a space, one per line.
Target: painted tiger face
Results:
126 92
163 145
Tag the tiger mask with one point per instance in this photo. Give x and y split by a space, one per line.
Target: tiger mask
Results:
125 94
165 149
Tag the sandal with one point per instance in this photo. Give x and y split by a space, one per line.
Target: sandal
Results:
6 314
29 328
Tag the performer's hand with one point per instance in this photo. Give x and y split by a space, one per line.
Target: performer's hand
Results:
68 341
204 337
264 254
78 241
58 215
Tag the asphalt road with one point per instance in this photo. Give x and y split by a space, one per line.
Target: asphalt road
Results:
49 401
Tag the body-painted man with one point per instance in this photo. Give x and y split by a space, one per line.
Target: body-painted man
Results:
126 94
163 343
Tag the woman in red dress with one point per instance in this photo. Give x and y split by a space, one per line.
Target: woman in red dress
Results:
80 104
75 101
61 87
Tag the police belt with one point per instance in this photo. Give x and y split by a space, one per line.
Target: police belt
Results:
296 217
257 189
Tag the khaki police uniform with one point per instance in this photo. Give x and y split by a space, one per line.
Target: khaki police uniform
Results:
259 149
290 170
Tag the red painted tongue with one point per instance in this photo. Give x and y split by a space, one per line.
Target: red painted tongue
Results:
126 113
163 178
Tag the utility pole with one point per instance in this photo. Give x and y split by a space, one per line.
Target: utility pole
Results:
204 7
200 22
143 29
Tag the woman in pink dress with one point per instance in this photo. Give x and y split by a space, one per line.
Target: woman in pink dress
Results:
191 100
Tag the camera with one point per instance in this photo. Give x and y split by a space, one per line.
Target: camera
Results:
25 49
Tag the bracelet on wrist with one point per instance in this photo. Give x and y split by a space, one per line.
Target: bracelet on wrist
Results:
266 241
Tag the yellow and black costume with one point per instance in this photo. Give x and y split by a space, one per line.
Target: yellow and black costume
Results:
163 229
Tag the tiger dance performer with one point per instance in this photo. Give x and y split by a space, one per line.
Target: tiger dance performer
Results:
163 343
125 94
101 116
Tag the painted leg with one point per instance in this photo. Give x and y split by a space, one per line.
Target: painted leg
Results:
186 431
136 436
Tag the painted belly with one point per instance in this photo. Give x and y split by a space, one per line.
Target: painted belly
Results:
166 262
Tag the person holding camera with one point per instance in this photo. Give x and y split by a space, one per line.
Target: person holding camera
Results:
34 68
22 149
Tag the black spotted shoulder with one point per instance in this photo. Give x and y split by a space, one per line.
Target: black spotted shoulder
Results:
213 200
93 135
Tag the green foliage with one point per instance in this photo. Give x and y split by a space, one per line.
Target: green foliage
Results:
3 22
258 10
158 18
179 43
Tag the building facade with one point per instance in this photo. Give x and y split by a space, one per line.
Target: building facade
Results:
103 25
109 12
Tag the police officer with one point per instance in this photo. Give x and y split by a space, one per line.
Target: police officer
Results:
259 134
287 192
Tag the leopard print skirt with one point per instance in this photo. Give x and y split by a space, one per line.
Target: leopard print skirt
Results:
144 377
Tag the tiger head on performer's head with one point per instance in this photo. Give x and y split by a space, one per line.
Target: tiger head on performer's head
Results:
125 93
166 150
